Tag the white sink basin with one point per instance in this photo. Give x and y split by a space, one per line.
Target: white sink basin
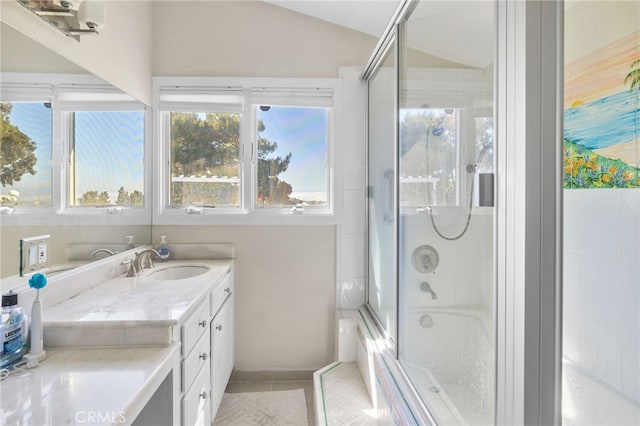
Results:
178 272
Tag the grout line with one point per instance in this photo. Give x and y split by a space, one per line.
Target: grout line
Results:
324 401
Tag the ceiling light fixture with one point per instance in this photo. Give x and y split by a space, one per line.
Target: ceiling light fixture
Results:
72 17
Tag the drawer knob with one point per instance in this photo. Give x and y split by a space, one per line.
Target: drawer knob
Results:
219 327
203 356
202 323
227 290
203 395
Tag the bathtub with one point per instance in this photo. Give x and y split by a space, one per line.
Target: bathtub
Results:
448 355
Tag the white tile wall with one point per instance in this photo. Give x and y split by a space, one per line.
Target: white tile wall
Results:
601 301
468 286
351 250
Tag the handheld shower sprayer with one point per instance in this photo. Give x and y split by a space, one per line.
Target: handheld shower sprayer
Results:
472 169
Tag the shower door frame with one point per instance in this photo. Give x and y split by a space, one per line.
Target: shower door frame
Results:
528 216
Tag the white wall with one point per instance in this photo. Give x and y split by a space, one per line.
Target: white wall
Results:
22 54
120 55
284 292
601 293
250 39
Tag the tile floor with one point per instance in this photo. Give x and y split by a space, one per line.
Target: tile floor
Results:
346 398
274 381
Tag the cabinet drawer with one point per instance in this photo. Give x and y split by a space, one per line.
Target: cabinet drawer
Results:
220 293
193 327
197 358
196 404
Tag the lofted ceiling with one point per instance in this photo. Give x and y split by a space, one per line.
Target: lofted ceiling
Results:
367 16
456 31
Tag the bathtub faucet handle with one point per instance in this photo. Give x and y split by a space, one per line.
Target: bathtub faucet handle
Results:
426 288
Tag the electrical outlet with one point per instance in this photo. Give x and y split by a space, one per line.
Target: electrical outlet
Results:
42 253
33 254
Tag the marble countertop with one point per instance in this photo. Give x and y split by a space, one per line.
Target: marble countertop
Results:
109 384
93 386
125 301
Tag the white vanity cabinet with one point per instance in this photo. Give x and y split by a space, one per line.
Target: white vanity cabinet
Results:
207 354
196 354
222 328
163 325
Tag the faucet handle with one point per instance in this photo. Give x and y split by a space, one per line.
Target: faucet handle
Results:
131 270
147 261
149 256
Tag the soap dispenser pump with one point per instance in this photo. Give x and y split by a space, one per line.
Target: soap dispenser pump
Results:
163 249
130 243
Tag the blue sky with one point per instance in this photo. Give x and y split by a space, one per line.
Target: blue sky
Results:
109 151
34 119
303 132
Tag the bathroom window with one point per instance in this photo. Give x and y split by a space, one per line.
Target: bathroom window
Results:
205 159
97 163
106 158
429 147
292 157
201 128
105 154
244 150
25 159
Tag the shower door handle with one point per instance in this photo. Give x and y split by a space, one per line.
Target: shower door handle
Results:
388 216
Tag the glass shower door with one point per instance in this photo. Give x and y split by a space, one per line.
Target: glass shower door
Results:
381 193
446 238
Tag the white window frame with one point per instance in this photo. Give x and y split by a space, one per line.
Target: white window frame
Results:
309 210
162 117
249 212
60 213
17 92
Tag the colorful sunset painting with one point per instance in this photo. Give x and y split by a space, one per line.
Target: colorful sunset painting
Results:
602 117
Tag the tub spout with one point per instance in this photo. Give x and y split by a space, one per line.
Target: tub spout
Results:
426 288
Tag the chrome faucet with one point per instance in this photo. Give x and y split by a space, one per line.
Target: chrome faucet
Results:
136 266
103 250
425 287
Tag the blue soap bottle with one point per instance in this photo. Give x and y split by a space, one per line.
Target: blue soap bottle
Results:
163 249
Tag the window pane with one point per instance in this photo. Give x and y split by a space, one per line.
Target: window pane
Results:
205 159
429 144
107 158
25 159
292 156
